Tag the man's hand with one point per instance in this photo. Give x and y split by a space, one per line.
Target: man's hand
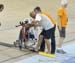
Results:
59 23
59 27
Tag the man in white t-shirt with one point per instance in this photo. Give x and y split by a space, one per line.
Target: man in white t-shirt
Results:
48 28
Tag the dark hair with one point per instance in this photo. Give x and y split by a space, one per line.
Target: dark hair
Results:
37 8
1 6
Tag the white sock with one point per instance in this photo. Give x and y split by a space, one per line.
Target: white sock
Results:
59 48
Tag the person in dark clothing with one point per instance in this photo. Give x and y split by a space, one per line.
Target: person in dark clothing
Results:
53 44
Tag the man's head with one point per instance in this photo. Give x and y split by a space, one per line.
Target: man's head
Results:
37 9
1 7
64 3
32 14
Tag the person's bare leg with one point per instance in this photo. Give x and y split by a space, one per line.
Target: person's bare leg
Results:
61 40
48 45
39 42
60 50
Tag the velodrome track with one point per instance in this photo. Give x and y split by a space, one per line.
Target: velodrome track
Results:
17 10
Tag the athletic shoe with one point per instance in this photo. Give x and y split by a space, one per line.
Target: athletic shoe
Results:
61 51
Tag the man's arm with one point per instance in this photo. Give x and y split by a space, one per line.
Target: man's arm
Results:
59 22
34 24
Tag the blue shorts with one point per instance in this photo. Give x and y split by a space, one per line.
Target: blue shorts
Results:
48 33
62 32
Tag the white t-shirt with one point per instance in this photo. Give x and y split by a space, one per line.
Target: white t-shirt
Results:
45 22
